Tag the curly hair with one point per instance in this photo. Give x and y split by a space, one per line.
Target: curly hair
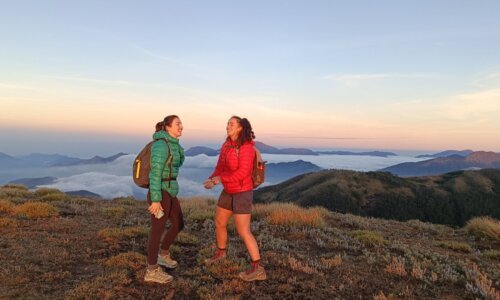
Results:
246 133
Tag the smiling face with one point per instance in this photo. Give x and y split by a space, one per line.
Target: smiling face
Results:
175 128
233 128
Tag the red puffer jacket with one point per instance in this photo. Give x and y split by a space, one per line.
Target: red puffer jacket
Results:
235 167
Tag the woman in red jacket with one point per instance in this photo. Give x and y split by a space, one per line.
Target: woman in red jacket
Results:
234 171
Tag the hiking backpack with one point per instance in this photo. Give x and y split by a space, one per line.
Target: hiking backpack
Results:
258 168
142 164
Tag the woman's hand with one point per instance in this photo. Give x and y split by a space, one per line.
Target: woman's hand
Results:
216 180
208 184
155 207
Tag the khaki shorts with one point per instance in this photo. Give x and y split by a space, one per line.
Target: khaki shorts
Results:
239 203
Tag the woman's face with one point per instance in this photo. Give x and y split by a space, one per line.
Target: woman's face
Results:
175 129
233 128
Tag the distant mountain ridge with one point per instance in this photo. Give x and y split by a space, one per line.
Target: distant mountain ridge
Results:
267 149
94 160
32 183
451 198
441 165
447 153
197 150
277 172
368 153
52 160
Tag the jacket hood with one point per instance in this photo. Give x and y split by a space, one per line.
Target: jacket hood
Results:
162 134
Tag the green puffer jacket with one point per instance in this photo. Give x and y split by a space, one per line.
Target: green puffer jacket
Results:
160 168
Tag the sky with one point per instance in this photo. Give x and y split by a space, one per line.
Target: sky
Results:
93 77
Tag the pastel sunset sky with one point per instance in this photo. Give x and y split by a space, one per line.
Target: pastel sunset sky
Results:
93 77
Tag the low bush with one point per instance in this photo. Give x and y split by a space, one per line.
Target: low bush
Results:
457 246
114 212
35 210
484 227
288 214
128 260
369 238
6 206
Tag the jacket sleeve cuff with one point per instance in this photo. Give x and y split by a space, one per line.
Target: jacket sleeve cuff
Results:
155 196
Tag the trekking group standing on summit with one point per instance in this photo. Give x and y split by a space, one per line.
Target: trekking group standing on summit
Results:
157 168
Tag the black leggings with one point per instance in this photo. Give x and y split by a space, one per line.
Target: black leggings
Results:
173 212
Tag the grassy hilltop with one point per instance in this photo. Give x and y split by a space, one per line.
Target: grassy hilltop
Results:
55 246
450 199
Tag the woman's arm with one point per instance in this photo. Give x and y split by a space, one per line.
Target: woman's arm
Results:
159 154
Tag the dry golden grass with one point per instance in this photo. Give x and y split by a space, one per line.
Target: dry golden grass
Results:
129 201
46 191
187 238
6 206
287 214
14 186
457 246
115 212
198 209
484 227
35 210
7 222
417 272
53 197
107 286
479 284
396 267
297 265
114 234
331 262
128 260
14 192
369 238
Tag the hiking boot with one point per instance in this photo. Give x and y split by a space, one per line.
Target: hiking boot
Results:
220 254
157 275
166 261
256 272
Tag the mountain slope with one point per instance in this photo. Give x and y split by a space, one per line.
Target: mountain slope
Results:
277 172
475 160
84 248
450 199
193 151
91 161
447 153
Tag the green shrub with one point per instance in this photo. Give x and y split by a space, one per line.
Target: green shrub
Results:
457 246
369 238
493 254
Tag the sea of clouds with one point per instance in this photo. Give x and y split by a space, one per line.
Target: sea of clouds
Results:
114 179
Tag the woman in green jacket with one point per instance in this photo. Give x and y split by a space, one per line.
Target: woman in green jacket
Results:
167 157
